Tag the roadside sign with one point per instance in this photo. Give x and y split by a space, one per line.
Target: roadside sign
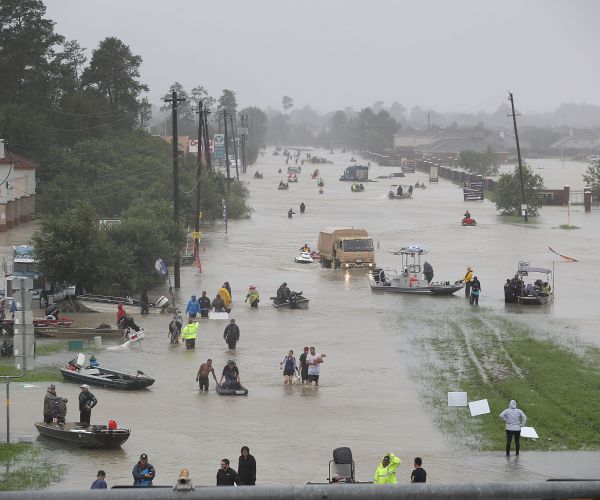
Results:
219 146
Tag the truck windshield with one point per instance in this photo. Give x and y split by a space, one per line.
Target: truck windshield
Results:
358 245
25 267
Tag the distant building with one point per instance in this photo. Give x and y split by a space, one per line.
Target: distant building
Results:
411 138
17 191
579 141
183 142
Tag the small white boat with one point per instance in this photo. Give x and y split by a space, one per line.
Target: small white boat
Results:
106 304
304 258
533 293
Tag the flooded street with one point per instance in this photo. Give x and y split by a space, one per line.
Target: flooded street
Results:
369 399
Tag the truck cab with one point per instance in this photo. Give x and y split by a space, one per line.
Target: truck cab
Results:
344 248
356 173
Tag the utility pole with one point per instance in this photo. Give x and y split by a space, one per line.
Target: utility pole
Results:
243 151
226 148
207 141
174 100
198 174
524 207
237 172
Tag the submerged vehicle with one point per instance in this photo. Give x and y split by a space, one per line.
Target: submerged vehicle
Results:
345 247
108 378
356 173
400 192
304 258
412 279
93 436
539 292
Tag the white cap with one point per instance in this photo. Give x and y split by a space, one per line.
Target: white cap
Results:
84 385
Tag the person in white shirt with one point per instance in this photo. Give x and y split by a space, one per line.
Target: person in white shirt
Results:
314 360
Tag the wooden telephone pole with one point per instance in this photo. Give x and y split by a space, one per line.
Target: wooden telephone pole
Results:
524 207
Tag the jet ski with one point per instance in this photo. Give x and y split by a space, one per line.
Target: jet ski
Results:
304 258
469 222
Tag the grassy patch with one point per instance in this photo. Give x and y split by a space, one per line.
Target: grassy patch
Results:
42 374
22 467
568 226
49 348
490 196
497 359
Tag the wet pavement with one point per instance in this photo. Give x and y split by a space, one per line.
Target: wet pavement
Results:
368 399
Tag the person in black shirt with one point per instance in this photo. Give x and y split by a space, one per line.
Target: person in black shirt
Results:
231 374
419 475
304 366
247 467
226 476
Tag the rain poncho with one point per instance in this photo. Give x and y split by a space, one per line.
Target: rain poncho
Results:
513 417
224 293
387 475
192 306
190 331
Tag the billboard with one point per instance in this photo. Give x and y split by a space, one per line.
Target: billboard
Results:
219 146
473 190
433 173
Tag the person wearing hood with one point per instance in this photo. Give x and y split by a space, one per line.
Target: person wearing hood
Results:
253 296
247 467
192 308
204 303
48 399
515 419
386 470
467 279
226 296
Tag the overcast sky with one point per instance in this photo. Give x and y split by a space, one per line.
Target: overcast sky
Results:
450 55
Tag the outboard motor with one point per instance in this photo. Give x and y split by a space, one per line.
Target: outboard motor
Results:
59 410
162 302
378 274
51 310
343 465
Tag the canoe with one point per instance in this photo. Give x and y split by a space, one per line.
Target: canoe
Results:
112 379
94 436
232 392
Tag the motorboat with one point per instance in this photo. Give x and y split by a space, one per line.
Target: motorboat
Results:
59 332
469 222
112 379
258 175
225 391
304 258
292 178
283 185
104 303
92 436
296 301
412 280
400 192
294 170
533 293
357 188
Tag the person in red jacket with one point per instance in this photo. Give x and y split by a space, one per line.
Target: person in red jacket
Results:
124 320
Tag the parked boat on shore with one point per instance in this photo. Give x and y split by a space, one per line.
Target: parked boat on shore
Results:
413 279
105 303
93 436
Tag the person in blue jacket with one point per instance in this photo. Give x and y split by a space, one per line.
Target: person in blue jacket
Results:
192 308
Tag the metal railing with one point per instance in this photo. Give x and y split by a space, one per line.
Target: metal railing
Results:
533 490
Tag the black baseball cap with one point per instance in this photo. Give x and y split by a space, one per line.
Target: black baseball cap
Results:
143 456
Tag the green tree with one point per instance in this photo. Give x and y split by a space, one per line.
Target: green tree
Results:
484 163
509 192
287 103
113 74
227 101
187 121
591 177
199 93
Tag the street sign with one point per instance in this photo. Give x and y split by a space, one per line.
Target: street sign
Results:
219 146
193 146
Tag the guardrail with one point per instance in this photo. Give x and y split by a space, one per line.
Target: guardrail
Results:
532 490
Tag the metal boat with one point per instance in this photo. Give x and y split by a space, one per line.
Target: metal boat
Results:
400 192
104 377
93 436
531 293
411 280
58 332
105 303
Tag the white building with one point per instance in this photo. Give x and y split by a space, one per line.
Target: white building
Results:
17 189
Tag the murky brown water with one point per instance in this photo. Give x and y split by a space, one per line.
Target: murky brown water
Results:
367 400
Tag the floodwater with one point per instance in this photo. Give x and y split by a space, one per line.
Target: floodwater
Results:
368 399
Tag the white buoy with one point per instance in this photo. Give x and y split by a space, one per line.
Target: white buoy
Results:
98 342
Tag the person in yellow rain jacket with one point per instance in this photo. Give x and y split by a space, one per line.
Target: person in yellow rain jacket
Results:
189 332
467 279
226 296
386 470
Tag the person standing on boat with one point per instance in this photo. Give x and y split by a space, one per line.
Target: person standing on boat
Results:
514 419
231 334
253 296
144 302
124 320
143 472
48 399
204 304
475 291
428 271
467 279
86 402
192 308
203 372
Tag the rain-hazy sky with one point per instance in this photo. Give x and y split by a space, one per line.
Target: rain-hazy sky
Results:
451 55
